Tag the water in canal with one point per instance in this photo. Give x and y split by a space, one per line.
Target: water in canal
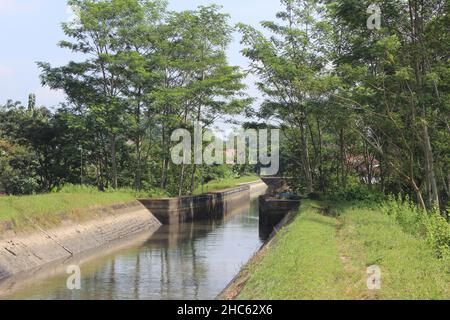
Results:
189 261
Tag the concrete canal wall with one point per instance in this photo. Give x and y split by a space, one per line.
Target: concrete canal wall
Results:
256 188
26 252
111 225
211 205
272 211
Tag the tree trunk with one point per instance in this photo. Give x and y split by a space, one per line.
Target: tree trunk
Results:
180 190
429 160
165 163
321 175
113 161
343 159
194 171
417 30
138 142
306 162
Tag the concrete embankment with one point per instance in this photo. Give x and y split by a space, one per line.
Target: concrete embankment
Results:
26 252
256 188
214 204
110 226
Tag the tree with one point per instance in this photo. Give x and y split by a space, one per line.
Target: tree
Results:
291 66
95 86
398 86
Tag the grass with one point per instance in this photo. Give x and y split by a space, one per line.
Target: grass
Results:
324 257
225 183
46 208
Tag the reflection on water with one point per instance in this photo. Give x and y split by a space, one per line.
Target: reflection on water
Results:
189 261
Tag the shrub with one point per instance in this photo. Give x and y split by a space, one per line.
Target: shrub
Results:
357 193
21 185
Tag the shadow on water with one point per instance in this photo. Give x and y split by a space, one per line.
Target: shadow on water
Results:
188 261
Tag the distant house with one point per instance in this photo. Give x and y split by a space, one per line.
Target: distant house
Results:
230 154
368 168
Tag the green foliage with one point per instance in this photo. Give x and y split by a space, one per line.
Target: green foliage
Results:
20 184
146 72
358 102
431 226
357 193
143 72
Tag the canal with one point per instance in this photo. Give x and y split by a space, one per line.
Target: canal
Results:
189 261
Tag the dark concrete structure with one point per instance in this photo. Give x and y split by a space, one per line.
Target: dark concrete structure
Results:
211 205
272 210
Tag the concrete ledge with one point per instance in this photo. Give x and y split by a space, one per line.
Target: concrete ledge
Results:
256 188
274 205
26 252
207 206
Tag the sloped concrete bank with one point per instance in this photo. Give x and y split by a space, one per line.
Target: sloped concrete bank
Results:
20 253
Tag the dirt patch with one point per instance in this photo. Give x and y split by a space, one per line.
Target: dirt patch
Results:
327 211
351 270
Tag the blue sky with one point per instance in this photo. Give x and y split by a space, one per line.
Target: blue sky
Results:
30 31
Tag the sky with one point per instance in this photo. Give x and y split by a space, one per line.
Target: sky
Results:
30 31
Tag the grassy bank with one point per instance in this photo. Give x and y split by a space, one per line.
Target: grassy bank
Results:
45 208
225 183
323 256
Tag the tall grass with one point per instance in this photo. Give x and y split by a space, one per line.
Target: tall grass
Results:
431 226
320 256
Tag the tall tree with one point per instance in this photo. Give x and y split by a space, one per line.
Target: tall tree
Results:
291 66
95 85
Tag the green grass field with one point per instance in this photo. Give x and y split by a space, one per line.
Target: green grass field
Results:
325 257
225 183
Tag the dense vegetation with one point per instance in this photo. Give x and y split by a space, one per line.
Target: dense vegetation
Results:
361 110
359 104
144 72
